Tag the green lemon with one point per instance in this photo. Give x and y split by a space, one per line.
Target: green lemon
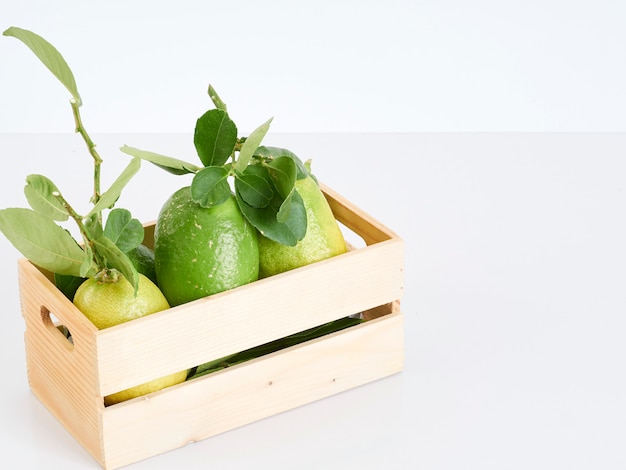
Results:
110 303
323 238
142 258
202 251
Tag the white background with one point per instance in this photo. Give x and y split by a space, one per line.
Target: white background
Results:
323 66
514 306
489 135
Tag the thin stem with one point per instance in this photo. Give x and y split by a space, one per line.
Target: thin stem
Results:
98 261
91 146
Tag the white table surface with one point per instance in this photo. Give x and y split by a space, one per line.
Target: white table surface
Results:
514 303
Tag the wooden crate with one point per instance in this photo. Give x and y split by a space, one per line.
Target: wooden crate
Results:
72 379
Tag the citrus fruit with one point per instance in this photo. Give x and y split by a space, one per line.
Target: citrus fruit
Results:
142 258
110 303
148 387
323 238
202 251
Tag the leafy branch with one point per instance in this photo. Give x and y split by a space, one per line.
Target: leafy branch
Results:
263 178
91 147
35 233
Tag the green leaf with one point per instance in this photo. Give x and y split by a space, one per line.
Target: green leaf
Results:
110 197
285 209
254 190
265 220
49 56
172 165
217 101
127 233
67 284
41 194
215 136
273 346
283 172
42 241
296 219
271 153
93 227
88 268
250 145
209 186
117 259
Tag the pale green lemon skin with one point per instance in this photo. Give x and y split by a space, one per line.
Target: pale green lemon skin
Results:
202 251
144 389
113 303
323 238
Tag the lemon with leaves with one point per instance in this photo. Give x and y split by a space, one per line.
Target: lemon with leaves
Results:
200 251
113 292
274 192
323 238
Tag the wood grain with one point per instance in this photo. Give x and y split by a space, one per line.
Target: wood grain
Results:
72 379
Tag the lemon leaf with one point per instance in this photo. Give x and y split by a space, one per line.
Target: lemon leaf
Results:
117 259
93 227
169 164
49 56
273 346
265 220
67 284
272 153
215 136
209 186
217 101
253 189
127 233
282 216
42 241
110 197
283 172
87 268
250 145
40 193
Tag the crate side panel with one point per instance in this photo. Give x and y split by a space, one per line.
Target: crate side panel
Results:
248 316
60 375
62 397
251 391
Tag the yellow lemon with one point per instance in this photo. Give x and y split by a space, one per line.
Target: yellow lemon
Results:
110 303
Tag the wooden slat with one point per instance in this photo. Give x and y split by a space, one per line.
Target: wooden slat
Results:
381 310
63 377
207 329
257 313
254 390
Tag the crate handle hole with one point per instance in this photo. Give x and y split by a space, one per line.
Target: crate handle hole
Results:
59 331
